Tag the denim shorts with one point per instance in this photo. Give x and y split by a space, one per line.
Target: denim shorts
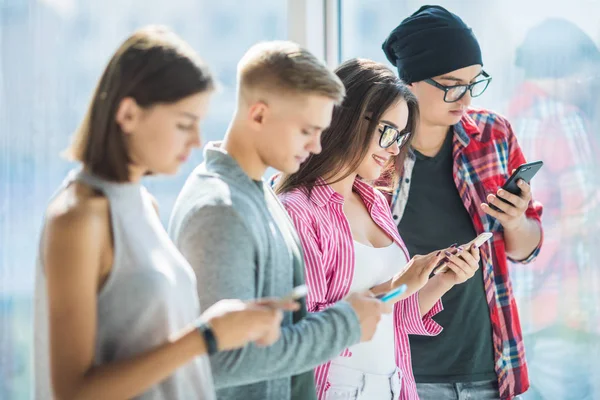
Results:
351 384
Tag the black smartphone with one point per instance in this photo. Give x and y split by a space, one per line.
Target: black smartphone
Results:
526 172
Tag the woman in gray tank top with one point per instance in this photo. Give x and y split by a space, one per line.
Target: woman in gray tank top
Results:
116 312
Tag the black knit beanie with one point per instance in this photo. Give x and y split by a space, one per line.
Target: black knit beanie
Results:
431 42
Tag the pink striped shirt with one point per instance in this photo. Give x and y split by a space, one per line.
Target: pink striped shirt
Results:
329 256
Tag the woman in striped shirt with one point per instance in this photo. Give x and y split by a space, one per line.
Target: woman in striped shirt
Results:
351 242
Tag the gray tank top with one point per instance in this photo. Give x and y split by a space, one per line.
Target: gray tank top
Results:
149 296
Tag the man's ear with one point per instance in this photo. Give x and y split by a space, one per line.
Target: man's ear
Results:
412 87
257 114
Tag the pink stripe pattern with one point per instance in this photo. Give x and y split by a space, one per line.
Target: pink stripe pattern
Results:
329 267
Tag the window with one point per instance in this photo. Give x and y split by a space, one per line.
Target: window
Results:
52 52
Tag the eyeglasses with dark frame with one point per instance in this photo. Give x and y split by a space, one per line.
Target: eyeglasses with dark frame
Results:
391 134
456 92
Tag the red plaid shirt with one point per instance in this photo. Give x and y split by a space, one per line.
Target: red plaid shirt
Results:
563 285
485 152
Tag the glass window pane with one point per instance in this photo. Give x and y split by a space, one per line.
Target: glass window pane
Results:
51 55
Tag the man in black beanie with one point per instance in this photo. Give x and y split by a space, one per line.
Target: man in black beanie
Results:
460 157
559 297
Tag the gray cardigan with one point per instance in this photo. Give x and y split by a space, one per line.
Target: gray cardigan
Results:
241 244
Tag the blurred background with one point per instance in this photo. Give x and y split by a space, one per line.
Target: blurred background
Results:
544 60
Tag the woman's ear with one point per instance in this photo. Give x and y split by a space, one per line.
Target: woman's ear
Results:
128 115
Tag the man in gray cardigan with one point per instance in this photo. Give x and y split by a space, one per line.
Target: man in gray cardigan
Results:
238 238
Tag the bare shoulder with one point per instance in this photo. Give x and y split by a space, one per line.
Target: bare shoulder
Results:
78 213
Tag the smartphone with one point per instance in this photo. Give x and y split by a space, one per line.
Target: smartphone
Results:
478 242
525 172
392 294
296 294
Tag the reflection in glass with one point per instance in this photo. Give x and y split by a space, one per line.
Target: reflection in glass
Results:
559 295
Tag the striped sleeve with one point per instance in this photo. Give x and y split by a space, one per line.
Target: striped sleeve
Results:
408 314
314 268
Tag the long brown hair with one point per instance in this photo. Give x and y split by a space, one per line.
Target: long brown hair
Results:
152 66
371 88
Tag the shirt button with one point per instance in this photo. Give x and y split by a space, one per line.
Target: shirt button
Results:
395 217
407 180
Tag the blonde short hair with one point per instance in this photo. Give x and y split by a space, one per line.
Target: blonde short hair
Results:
286 68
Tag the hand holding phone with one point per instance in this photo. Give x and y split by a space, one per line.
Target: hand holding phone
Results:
287 302
525 172
478 242
236 323
296 294
284 302
392 294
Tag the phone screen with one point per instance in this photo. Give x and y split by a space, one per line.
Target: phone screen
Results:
478 242
525 172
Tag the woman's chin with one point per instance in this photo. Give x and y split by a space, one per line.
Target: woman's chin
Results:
169 170
372 174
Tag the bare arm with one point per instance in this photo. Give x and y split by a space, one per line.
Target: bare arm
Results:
75 248
462 264
522 241
415 275
432 292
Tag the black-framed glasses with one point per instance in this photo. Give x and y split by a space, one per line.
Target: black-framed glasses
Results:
391 134
456 92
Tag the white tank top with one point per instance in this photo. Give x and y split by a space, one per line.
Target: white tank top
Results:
373 266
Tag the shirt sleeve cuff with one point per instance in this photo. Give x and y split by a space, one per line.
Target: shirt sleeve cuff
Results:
408 313
317 307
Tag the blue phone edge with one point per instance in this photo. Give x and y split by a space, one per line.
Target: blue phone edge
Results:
393 293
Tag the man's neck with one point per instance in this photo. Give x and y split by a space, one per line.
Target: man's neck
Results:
429 139
238 144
